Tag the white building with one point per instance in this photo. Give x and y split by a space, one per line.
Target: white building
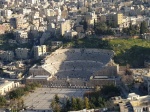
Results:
39 51
26 10
8 13
65 26
6 86
139 103
49 12
32 1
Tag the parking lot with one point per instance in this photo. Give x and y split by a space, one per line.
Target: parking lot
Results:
41 98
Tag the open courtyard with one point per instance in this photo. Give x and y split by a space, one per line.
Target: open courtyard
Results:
41 98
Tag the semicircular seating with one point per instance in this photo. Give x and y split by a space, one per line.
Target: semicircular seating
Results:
76 63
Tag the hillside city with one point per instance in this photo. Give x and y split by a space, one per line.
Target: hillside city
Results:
74 55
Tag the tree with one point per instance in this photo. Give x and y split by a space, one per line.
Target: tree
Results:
68 104
20 104
85 25
73 104
27 88
94 25
9 35
2 101
86 103
56 98
16 93
110 91
143 28
132 30
93 102
102 28
55 106
100 102
80 104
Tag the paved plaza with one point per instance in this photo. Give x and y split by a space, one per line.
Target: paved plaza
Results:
42 97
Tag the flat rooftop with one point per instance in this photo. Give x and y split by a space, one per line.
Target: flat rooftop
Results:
38 77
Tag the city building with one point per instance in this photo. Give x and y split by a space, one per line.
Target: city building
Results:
21 36
39 51
7 55
70 34
146 79
42 79
6 86
90 17
22 53
65 26
142 76
114 19
146 36
139 103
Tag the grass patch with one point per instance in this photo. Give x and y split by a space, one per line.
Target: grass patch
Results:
127 51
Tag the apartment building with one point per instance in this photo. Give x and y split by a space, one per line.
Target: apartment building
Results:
18 22
91 17
21 36
71 34
39 51
65 26
114 18
8 13
32 1
49 12
22 53
7 55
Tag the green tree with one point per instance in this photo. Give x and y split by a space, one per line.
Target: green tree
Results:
9 35
86 103
16 93
73 104
100 102
102 28
94 25
93 102
2 101
143 27
55 106
27 88
20 104
68 104
132 30
110 91
85 25
56 98
80 104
